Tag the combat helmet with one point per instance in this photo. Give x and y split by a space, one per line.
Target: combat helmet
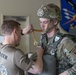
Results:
49 11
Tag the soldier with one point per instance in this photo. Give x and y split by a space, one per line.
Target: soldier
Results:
63 49
59 52
12 60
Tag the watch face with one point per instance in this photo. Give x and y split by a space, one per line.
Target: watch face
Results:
68 12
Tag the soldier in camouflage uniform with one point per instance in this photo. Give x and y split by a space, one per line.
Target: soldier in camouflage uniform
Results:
63 50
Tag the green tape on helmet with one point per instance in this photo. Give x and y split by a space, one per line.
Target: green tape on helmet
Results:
49 11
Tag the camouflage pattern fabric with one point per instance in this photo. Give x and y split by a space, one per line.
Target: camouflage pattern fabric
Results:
49 11
66 56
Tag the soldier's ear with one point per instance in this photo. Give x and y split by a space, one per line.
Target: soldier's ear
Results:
14 30
55 22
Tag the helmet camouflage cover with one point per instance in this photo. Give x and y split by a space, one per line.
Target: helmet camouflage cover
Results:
50 11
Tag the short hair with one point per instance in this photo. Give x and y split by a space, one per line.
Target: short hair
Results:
8 26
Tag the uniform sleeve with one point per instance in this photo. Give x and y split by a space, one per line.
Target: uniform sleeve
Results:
21 60
68 48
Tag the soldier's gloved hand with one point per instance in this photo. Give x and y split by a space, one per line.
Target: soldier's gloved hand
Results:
27 59
31 56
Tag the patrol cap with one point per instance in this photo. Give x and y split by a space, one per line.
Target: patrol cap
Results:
49 11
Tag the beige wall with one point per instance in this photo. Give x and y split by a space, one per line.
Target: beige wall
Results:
24 8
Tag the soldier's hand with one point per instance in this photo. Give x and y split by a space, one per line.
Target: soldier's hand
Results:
40 50
64 73
27 29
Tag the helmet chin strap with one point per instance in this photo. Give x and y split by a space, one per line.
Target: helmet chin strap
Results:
49 28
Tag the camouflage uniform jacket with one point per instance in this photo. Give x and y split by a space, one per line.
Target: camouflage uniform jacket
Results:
65 52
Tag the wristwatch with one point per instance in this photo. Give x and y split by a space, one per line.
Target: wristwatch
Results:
22 32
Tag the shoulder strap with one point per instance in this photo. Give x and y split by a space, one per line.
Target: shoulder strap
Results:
43 40
58 37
